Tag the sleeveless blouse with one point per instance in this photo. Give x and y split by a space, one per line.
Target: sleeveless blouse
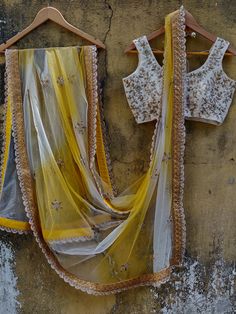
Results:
209 91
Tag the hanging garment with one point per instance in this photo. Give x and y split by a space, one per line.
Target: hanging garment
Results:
12 211
209 90
96 241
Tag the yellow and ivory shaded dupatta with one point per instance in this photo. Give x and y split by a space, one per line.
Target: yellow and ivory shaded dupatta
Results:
95 241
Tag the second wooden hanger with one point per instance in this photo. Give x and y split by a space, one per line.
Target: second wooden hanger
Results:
192 25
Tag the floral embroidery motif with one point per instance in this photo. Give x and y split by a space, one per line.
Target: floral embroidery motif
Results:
80 127
60 163
112 263
60 80
144 86
71 78
156 173
45 82
166 157
209 89
56 205
124 267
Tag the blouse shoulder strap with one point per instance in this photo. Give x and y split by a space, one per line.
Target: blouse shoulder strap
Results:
218 49
143 47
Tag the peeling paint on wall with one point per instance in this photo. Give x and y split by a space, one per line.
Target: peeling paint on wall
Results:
8 281
200 289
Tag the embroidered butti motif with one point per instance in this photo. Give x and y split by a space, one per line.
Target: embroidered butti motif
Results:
80 127
60 163
209 91
56 205
144 86
60 80
45 81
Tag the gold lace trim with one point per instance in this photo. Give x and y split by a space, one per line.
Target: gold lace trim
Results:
3 148
178 136
92 96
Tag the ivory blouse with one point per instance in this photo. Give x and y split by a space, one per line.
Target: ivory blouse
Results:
209 91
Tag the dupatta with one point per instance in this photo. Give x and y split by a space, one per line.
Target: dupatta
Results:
56 168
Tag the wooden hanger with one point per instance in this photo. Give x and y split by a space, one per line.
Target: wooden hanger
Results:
191 24
52 14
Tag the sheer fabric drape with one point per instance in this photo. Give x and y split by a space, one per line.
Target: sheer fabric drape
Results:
97 241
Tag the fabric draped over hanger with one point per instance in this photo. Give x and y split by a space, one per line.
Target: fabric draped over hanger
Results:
56 166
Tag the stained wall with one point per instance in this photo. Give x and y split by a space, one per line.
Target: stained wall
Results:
206 284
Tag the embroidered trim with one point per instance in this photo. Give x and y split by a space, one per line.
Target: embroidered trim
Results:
90 56
70 240
11 230
178 135
3 129
92 95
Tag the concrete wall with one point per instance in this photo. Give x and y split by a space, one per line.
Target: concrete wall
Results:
206 282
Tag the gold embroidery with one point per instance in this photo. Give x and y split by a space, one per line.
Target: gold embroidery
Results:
178 137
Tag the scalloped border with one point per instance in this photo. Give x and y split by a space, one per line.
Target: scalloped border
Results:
90 54
11 230
3 126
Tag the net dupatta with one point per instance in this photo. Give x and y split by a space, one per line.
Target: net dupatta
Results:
173 118
96 134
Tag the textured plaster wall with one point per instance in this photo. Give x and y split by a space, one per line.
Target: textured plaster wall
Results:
206 283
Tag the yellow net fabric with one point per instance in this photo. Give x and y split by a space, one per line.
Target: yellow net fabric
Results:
95 242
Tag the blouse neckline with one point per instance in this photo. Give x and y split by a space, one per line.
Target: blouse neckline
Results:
211 50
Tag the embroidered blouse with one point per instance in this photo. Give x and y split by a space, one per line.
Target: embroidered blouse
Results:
209 89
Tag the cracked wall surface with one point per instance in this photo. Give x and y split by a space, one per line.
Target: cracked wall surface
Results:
206 282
